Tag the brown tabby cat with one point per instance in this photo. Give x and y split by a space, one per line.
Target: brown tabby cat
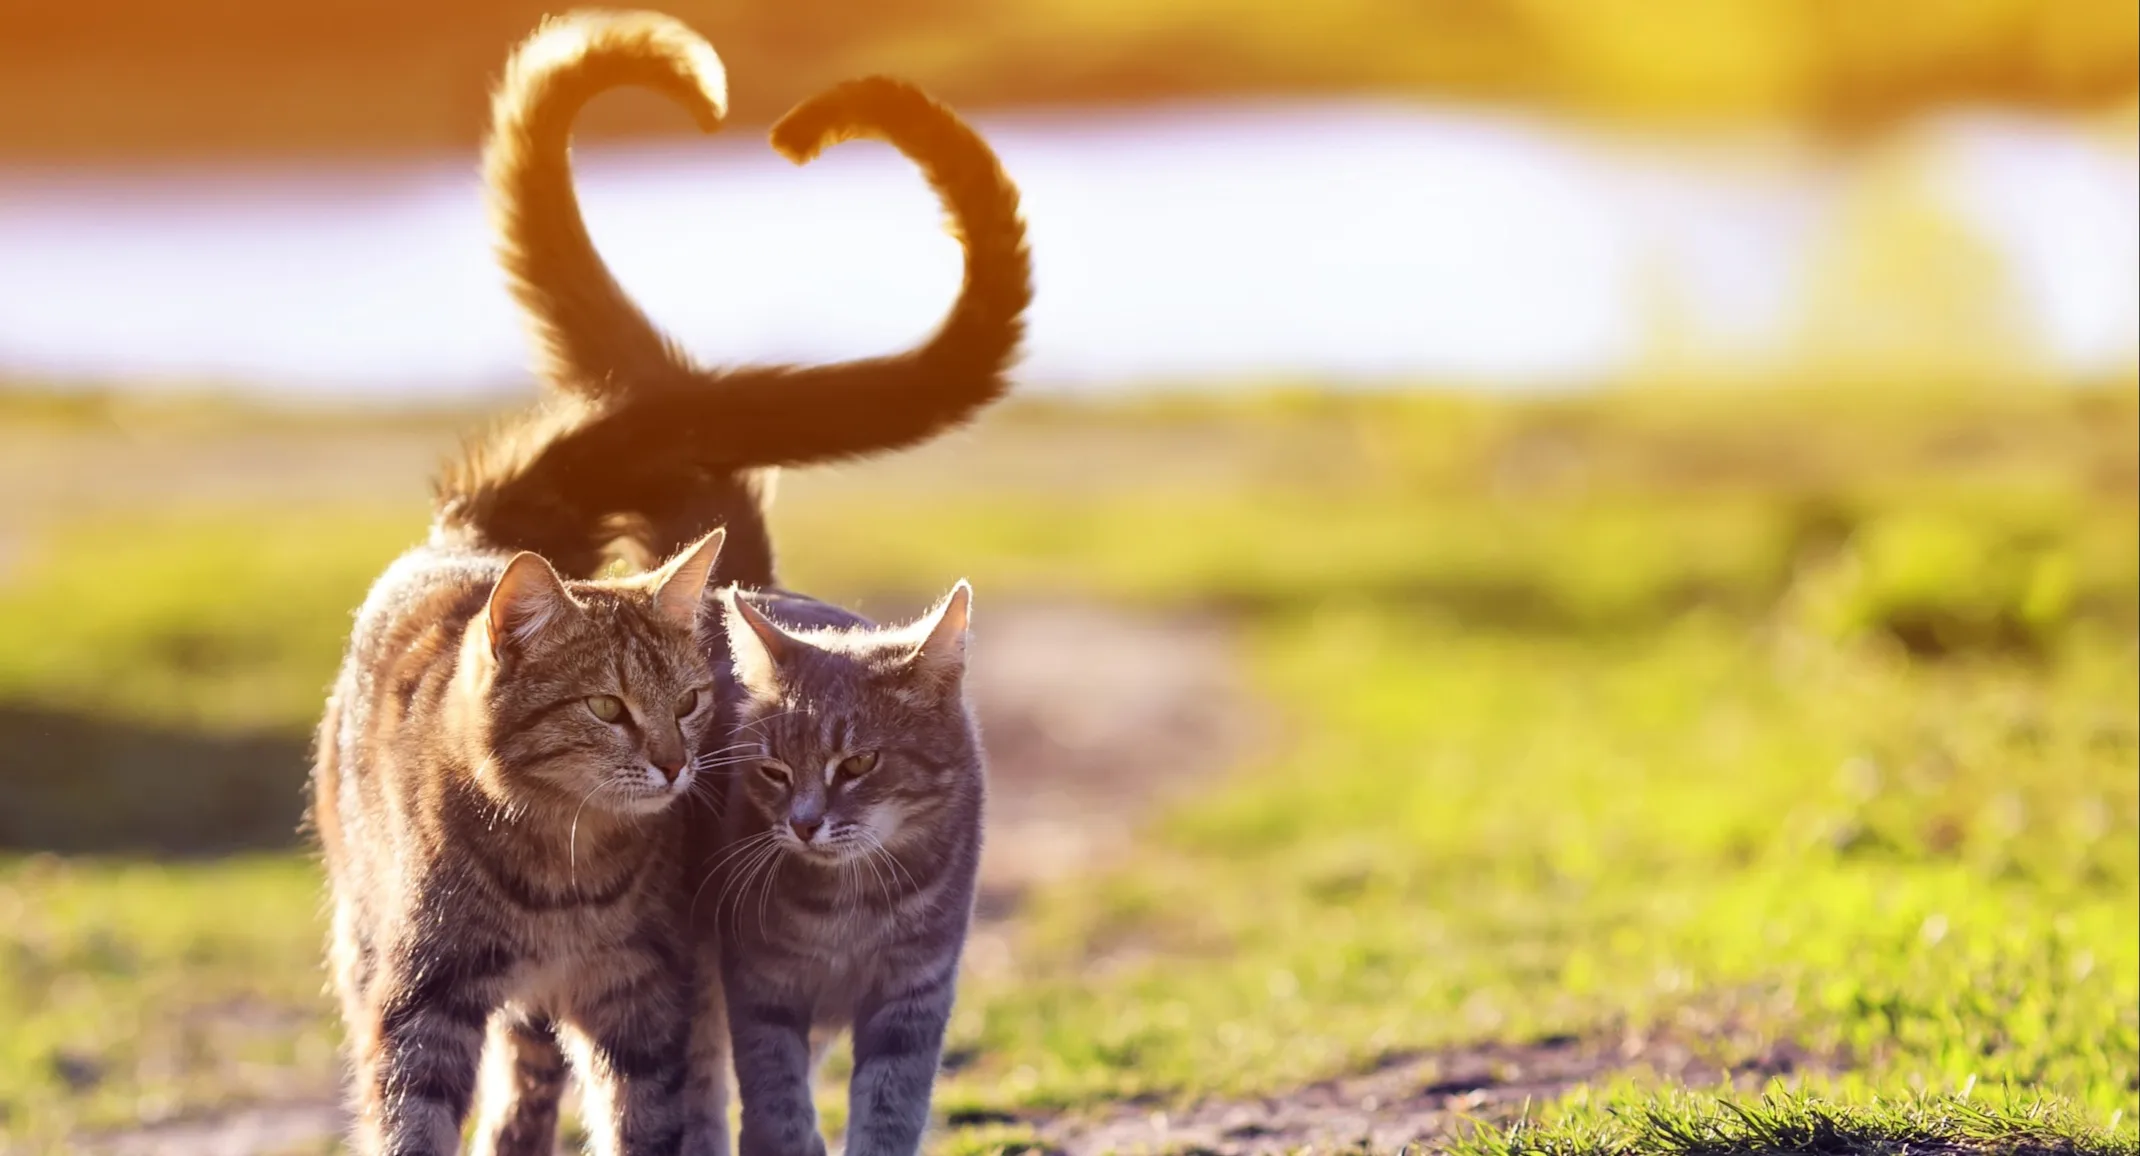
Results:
493 792
852 836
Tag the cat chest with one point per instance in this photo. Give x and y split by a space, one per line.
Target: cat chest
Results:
561 955
841 958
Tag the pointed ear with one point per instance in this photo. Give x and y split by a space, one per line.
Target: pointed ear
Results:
941 653
528 599
680 586
756 644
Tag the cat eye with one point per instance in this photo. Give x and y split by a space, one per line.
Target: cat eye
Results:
774 772
607 707
857 765
687 705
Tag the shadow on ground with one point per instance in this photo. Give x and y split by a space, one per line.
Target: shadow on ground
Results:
82 783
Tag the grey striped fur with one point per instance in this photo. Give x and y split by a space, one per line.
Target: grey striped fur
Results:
841 899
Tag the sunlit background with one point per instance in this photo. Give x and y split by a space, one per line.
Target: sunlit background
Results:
1498 193
1551 560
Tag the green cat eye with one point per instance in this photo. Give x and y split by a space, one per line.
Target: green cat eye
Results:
607 707
857 765
687 705
777 772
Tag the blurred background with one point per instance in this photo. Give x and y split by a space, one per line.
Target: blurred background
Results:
1494 193
1612 519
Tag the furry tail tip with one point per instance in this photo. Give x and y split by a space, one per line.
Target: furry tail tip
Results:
591 49
840 113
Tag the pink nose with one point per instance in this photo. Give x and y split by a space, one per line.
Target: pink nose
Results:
670 766
804 830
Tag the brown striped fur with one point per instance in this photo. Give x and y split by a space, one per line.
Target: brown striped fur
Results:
501 854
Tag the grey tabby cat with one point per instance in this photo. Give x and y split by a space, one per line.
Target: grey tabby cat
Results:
851 836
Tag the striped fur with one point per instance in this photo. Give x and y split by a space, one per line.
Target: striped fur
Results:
641 430
843 889
501 856
523 1082
643 441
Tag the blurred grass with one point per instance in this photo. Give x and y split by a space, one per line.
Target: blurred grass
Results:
196 619
139 992
1722 719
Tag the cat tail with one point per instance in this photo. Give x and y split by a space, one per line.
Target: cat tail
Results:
894 402
592 340
639 426
588 335
757 416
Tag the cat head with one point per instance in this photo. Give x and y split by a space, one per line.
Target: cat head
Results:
857 738
594 693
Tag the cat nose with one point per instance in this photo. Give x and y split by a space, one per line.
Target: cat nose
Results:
805 829
669 765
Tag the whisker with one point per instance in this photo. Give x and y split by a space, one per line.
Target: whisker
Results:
742 879
704 786
729 882
741 849
572 838
738 847
765 890
876 845
868 859
759 722
763 882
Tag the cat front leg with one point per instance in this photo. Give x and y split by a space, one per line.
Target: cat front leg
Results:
769 1032
898 1042
417 1050
706 1089
630 1039
523 1080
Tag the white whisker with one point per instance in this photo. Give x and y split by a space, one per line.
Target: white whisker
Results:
572 838
759 722
765 890
761 860
877 845
868 859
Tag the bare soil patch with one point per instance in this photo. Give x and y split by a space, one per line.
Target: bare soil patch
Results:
1410 1099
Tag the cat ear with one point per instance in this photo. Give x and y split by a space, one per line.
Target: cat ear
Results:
941 654
680 586
527 600
756 644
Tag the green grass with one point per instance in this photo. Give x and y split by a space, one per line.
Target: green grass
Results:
202 620
1924 877
1734 723
137 991
1685 1125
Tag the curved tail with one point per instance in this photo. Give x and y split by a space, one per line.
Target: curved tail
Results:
900 400
595 342
589 335
641 426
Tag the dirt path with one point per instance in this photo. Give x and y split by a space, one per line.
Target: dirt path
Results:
1410 1100
1089 715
